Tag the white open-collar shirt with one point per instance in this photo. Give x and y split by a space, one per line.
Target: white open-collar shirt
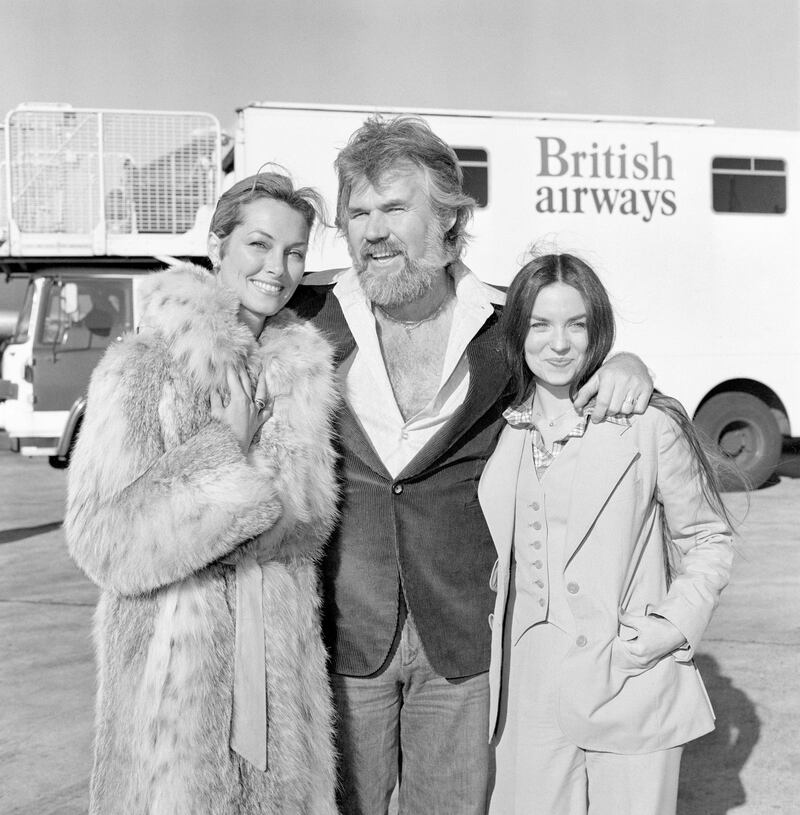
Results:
366 384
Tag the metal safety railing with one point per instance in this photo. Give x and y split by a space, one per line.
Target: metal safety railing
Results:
107 181
3 196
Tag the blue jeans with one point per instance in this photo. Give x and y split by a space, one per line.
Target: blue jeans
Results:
409 721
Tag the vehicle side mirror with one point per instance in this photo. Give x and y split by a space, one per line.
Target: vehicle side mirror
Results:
69 298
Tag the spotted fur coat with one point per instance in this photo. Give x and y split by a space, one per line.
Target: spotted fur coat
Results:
160 497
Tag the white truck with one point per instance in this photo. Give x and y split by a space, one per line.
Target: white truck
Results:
90 201
689 225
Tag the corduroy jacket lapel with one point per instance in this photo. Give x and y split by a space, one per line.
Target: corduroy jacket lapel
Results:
355 441
315 303
488 378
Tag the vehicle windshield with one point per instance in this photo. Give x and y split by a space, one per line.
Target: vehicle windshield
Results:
85 313
22 331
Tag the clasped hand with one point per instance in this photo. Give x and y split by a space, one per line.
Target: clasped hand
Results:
239 409
655 638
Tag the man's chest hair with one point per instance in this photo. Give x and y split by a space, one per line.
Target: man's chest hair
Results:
414 361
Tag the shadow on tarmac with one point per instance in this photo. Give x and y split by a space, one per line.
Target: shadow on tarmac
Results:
22 532
710 783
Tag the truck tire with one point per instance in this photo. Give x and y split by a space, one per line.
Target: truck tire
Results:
746 431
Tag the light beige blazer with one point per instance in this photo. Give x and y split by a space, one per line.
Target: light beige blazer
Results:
625 476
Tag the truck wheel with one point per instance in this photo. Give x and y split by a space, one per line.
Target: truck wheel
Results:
746 431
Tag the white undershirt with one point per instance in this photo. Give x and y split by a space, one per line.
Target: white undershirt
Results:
366 384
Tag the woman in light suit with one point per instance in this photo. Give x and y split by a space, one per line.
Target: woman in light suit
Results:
613 547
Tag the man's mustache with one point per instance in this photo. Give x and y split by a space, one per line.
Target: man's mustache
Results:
382 247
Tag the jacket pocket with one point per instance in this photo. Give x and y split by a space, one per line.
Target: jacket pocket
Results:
623 661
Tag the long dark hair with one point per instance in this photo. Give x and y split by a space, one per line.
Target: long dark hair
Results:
530 280
712 466
545 270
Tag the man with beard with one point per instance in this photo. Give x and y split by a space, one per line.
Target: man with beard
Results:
407 577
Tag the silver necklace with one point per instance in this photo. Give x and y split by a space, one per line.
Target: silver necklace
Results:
551 422
410 325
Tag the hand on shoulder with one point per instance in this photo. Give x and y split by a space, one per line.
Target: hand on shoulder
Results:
622 385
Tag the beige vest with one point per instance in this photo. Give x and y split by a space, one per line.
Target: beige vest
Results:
540 530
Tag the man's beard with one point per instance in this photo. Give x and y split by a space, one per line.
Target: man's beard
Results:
410 282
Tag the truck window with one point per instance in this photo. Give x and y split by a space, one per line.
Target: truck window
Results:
24 317
474 163
86 314
747 184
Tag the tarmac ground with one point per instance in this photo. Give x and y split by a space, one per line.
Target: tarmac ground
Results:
750 657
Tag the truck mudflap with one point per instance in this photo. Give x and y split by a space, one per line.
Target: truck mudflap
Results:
8 390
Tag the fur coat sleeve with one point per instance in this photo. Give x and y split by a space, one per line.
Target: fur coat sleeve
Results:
158 489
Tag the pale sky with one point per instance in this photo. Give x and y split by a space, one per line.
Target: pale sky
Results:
734 61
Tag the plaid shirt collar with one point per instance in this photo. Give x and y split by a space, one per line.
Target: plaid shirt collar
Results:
521 416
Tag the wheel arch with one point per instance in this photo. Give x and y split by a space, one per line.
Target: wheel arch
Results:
757 389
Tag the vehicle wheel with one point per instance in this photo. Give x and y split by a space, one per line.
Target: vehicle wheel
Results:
746 431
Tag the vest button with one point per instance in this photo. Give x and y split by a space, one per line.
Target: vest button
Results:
536 525
397 489
537 544
535 505
573 588
581 641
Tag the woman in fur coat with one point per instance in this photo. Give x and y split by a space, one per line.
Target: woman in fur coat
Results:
200 511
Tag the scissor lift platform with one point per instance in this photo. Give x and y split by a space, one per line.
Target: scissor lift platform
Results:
99 183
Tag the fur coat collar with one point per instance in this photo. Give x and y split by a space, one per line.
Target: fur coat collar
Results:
198 317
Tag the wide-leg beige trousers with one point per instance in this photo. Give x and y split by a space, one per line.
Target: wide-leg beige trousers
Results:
539 772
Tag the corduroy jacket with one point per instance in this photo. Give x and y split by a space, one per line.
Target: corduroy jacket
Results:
419 539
